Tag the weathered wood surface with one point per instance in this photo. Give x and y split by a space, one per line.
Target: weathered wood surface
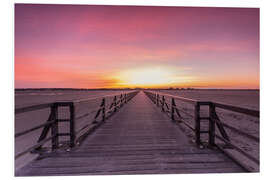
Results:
139 139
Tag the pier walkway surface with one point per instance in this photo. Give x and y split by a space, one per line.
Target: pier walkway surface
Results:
138 139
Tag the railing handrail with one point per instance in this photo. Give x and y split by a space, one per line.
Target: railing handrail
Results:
213 122
99 97
47 105
53 120
113 107
32 107
192 101
247 111
33 129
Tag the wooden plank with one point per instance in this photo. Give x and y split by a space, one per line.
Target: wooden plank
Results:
98 163
134 168
169 155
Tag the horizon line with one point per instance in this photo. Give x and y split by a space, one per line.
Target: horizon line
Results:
171 88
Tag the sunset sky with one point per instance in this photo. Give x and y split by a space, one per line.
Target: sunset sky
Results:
72 46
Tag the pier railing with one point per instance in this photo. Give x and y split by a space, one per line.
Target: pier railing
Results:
76 126
215 128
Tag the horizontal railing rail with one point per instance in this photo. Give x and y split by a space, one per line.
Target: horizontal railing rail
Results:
52 123
96 98
214 122
188 100
33 129
250 112
160 100
32 108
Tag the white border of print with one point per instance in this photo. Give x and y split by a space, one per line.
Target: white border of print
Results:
7 83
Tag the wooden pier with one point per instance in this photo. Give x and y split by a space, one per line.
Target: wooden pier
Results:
138 139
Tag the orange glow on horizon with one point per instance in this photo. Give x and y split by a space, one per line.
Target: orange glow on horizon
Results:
167 77
145 77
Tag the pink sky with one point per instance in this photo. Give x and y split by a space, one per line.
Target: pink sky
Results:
85 46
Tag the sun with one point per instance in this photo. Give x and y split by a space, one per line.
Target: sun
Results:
146 77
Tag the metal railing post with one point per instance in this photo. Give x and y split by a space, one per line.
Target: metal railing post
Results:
103 109
121 100
163 102
72 125
157 99
114 103
197 123
212 124
45 129
54 127
125 97
172 109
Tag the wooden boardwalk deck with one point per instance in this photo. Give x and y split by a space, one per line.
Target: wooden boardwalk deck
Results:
139 139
